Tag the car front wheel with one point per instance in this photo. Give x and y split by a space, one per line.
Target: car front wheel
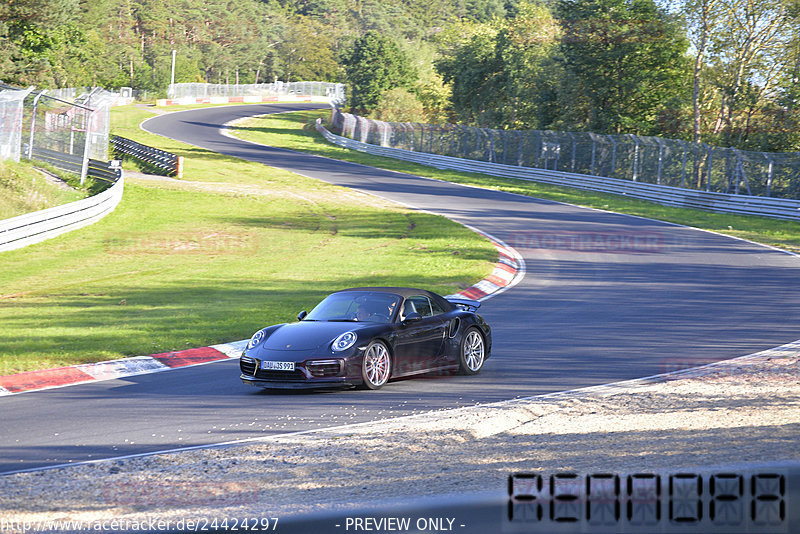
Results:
473 352
377 365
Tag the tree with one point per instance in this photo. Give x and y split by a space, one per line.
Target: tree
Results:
703 17
400 105
471 64
305 52
629 58
750 56
528 49
36 30
373 65
502 73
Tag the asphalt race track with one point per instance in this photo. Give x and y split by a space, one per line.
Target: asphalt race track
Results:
606 297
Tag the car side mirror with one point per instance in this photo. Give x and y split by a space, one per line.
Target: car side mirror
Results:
412 318
302 315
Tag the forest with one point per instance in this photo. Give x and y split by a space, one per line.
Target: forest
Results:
723 72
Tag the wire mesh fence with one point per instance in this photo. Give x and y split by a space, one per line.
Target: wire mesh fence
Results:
651 160
36 122
12 105
334 91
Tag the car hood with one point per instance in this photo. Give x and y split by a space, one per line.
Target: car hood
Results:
307 335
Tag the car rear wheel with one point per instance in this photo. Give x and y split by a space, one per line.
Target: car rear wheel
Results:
377 365
473 352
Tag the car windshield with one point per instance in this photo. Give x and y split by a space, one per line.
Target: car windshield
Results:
358 306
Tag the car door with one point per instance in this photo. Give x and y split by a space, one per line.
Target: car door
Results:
418 343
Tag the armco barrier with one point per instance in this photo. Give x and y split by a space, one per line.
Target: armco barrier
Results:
31 228
671 196
101 170
161 161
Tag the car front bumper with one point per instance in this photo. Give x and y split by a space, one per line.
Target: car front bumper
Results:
317 383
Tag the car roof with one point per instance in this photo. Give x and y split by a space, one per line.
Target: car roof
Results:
405 292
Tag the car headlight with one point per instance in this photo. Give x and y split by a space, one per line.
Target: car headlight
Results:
257 338
344 342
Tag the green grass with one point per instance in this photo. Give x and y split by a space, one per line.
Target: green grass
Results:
294 131
23 189
210 259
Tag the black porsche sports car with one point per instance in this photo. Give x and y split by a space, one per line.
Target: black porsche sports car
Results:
366 336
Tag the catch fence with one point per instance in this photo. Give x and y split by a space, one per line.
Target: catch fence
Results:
641 159
320 91
35 122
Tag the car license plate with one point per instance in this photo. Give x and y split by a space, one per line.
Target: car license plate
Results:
277 366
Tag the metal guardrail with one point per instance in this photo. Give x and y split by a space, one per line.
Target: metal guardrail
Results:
160 161
645 159
30 228
661 194
102 170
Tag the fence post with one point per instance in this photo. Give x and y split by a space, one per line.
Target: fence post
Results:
739 174
613 155
710 165
635 157
574 150
683 168
85 162
386 133
594 152
558 150
33 122
769 174
660 159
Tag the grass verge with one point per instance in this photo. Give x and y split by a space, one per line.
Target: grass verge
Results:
23 189
211 258
295 131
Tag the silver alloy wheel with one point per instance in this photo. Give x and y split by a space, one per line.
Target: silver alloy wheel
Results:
472 352
376 365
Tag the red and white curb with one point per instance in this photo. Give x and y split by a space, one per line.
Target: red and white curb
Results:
139 365
507 272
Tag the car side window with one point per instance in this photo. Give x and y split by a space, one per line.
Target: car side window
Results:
436 308
418 304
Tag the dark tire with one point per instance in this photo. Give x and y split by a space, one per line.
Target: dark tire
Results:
377 365
472 353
